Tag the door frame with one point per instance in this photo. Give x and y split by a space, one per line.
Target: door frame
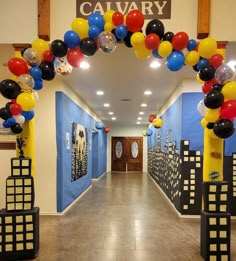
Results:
127 138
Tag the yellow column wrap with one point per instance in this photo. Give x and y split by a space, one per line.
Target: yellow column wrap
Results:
27 135
212 157
213 148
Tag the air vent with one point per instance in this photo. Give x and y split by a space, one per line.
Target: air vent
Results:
125 100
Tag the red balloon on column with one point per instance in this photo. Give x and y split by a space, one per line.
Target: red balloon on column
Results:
117 18
152 41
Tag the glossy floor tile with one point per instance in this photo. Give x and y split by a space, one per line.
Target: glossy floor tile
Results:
123 217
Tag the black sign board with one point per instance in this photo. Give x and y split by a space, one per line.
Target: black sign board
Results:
150 9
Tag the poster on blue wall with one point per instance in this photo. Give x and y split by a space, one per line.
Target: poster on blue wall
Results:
79 159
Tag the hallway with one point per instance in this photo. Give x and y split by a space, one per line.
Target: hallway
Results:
122 217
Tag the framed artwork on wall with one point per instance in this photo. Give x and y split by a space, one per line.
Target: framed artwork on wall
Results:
79 144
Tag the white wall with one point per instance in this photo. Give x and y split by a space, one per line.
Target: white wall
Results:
122 131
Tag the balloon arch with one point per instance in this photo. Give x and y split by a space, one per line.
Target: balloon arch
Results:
42 61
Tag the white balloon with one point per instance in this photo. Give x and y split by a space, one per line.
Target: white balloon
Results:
201 108
19 118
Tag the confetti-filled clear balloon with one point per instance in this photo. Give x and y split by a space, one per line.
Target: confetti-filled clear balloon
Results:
107 42
31 56
26 83
62 66
224 73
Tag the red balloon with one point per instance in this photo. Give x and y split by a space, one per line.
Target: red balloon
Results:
207 86
106 129
152 41
228 110
216 60
48 56
15 109
134 21
117 18
17 66
180 41
151 117
74 57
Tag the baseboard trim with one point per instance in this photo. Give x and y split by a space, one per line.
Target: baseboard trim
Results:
66 209
171 204
100 177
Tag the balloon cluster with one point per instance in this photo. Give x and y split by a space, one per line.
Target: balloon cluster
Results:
100 126
218 107
42 61
155 121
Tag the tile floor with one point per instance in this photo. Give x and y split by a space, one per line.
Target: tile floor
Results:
123 217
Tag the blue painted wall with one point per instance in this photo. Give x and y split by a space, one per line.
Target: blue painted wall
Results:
184 120
66 112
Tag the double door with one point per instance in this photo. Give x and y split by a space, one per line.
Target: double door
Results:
127 154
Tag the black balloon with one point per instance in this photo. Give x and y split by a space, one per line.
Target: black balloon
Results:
9 89
59 48
88 46
195 68
223 128
17 128
168 36
5 113
155 26
210 125
217 87
127 40
214 99
48 71
207 73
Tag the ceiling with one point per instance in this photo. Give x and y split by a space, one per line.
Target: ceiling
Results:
124 78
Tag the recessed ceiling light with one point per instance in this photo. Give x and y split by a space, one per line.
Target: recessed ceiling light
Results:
106 105
147 92
84 65
138 122
139 118
113 118
155 64
141 113
100 92
143 105
110 112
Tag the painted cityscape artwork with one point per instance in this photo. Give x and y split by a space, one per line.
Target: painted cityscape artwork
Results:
79 159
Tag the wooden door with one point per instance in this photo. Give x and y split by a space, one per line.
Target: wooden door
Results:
118 154
127 154
135 154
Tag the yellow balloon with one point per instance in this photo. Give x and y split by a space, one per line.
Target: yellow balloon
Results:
26 100
108 27
207 47
157 123
137 40
192 58
165 49
204 123
142 53
108 16
229 90
212 115
40 46
81 27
